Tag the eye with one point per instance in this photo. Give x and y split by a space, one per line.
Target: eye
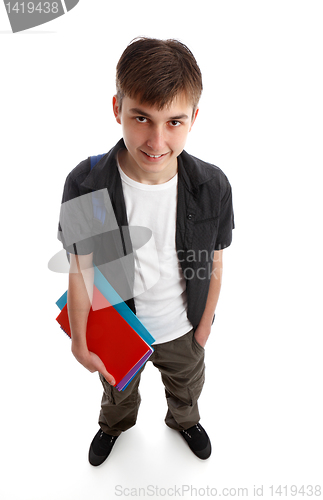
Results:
141 119
175 123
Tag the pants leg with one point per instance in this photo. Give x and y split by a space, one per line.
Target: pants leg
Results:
119 410
182 368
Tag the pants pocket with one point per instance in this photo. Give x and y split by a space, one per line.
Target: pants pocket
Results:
108 390
197 346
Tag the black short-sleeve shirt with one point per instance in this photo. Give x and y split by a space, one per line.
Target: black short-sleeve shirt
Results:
204 220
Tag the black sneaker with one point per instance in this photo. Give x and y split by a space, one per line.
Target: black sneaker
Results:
101 447
198 440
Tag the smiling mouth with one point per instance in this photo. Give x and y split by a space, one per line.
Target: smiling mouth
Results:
153 156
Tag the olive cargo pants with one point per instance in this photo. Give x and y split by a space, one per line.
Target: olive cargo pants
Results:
181 364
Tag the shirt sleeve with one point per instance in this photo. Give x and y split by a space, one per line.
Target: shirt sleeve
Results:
226 219
76 220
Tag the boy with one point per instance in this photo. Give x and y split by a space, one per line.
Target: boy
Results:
150 181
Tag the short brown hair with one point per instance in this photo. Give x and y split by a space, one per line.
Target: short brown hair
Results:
156 71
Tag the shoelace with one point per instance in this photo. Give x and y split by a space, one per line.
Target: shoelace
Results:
185 432
113 438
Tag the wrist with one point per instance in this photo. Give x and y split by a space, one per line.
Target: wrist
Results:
205 325
79 349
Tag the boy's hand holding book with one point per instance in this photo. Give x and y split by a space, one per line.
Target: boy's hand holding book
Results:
91 362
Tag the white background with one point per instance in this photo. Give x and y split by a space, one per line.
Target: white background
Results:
261 122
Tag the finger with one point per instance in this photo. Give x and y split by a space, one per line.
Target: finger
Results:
108 377
100 367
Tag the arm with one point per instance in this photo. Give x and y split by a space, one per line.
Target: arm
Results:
204 328
79 299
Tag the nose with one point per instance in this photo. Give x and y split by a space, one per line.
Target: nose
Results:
156 141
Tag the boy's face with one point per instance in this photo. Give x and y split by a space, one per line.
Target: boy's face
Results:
154 138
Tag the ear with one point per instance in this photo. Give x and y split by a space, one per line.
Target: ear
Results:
116 110
194 118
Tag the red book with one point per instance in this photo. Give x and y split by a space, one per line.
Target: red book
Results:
109 336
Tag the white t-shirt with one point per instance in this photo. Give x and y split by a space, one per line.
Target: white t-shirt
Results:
159 292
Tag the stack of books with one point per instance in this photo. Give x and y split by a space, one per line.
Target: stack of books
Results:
113 332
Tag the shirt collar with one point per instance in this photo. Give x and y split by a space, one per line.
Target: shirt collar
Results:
194 172
105 170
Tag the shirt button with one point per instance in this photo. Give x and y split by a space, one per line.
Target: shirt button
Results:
190 216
